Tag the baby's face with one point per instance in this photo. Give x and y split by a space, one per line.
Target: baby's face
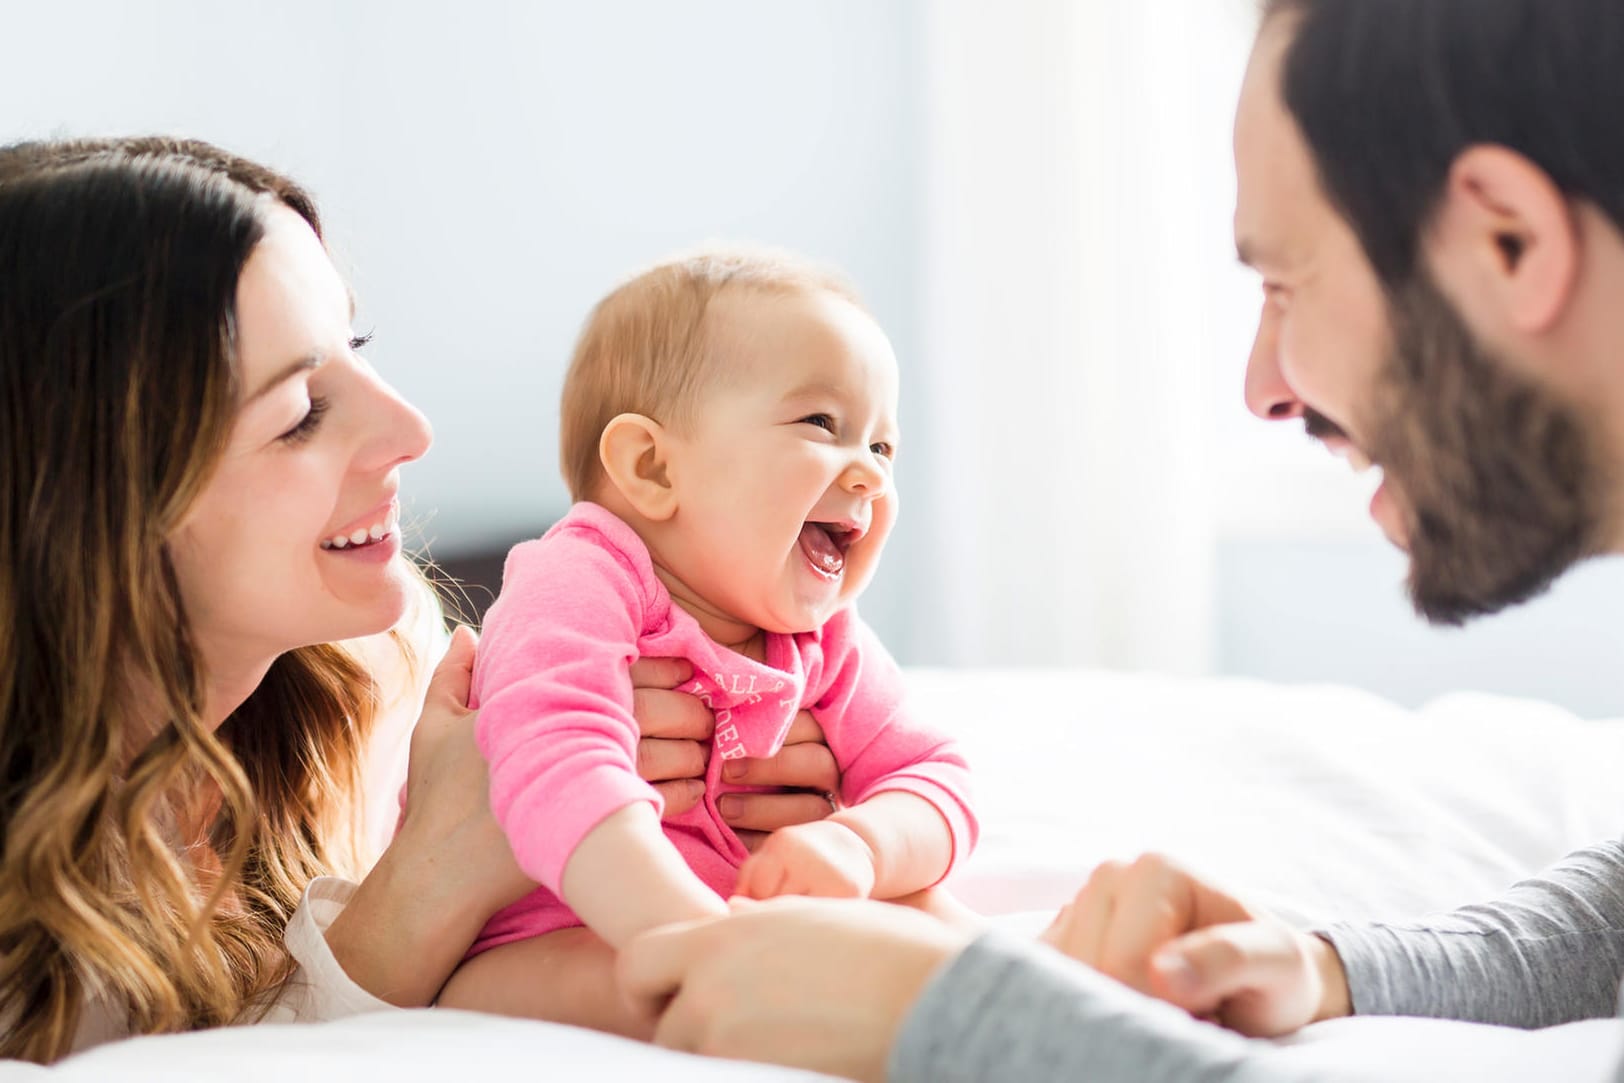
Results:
785 491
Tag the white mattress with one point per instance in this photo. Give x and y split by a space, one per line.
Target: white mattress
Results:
1322 801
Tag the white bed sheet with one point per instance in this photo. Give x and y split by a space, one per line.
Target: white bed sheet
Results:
1322 801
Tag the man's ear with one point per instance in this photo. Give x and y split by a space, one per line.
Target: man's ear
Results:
1508 234
633 451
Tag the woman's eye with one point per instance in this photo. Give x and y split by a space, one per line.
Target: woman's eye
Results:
822 421
306 428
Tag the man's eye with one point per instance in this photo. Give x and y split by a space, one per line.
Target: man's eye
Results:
307 426
822 421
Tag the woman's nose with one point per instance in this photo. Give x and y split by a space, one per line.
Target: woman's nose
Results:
400 432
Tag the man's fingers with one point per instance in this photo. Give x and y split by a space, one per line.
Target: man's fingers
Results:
455 674
650 970
660 760
1155 903
803 766
1085 933
673 715
1245 973
660 672
770 811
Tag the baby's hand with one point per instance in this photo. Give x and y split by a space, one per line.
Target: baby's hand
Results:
824 858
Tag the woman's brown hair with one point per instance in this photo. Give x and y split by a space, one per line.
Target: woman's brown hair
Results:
150 861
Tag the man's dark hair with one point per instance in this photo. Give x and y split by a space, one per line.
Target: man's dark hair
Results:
1389 92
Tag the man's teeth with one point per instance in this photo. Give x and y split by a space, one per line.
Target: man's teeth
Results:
377 532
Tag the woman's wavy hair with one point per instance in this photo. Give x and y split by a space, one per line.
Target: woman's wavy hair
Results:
150 861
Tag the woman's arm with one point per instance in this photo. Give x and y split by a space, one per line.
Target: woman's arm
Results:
448 867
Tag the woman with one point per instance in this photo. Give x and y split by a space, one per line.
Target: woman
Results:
210 645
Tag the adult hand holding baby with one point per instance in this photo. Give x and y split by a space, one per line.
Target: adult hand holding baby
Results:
1156 928
672 755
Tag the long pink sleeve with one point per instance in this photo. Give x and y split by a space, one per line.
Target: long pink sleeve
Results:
555 697
879 745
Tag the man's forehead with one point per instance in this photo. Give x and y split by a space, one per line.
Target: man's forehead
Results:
1274 174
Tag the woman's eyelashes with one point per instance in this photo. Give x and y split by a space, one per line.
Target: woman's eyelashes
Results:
307 426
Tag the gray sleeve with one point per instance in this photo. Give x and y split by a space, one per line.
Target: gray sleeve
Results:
1550 951
1007 1010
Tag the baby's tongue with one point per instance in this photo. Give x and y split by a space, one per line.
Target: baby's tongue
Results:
821 549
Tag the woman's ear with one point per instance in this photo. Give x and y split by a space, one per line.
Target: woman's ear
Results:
633 450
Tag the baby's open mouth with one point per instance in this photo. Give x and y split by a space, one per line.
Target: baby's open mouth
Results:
825 545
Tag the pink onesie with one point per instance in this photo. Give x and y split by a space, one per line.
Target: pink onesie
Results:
578 606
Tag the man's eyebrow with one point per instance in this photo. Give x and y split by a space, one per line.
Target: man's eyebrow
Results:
304 364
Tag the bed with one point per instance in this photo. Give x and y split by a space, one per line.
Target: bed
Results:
1321 801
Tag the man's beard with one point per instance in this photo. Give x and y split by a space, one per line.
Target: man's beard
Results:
1498 480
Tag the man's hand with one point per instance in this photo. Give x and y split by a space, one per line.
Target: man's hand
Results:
1156 928
819 984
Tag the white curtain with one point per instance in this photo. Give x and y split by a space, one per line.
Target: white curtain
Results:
1080 317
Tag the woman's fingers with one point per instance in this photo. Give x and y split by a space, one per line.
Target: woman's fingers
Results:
770 811
802 767
671 715
679 795
660 672
455 674
660 760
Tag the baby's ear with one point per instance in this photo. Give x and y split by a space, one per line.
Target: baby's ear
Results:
633 452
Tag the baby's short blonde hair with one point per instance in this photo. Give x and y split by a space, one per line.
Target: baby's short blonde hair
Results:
646 349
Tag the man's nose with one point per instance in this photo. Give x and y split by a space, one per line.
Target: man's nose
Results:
1267 393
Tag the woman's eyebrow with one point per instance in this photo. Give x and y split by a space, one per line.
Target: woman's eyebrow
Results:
304 364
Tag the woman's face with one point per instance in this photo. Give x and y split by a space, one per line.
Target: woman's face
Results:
295 539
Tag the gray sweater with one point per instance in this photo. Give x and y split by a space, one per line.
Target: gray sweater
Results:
1551 951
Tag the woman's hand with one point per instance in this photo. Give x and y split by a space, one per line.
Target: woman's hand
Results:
819 984
449 867
675 749
1156 928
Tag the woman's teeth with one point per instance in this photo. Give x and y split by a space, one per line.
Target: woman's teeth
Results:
360 536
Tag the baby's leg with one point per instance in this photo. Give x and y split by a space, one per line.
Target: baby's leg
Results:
940 904
565 976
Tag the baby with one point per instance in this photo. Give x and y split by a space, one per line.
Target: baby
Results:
729 429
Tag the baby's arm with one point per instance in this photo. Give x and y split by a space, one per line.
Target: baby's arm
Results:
555 723
908 820
891 845
625 878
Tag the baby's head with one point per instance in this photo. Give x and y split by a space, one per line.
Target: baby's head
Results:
738 408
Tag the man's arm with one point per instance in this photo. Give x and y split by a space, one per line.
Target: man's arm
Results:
1550 951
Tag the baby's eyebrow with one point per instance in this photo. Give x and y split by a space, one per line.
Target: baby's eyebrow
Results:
815 389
